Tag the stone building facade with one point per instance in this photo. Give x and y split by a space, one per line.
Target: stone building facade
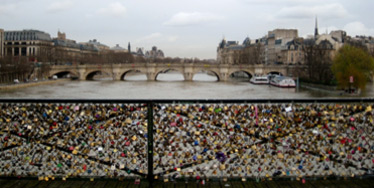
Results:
276 41
228 52
154 53
292 53
69 51
27 43
284 46
39 46
1 43
249 52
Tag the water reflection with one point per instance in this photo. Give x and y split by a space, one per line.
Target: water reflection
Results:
136 86
205 77
170 76
133 76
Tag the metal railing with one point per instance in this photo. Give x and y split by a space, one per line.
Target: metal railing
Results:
173 139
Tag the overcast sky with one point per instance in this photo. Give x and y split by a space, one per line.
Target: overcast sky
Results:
183 28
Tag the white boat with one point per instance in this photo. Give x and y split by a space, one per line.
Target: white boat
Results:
283 81
259 80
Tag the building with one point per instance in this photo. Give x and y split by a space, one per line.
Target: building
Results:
69 51
276 41
1 43
339 35
229 52
100 47
118 49
27 43
370 46
139 52
39 46
249 52
154 53
293 53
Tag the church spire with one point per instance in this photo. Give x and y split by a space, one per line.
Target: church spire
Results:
316 29
129 48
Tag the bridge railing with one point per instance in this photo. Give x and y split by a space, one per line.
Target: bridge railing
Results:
171 139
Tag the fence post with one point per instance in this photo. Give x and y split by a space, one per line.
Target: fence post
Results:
150 142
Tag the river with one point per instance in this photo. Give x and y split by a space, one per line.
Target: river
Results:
168 86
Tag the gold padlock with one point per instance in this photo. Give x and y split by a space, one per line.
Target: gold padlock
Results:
222 167
134 138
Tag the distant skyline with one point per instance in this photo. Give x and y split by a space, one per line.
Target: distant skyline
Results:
183 28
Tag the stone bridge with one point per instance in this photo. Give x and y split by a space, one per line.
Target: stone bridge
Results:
152 70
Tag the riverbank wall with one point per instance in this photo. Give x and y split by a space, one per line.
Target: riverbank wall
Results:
319 87
30 84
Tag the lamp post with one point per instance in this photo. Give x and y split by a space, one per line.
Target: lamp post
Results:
351 79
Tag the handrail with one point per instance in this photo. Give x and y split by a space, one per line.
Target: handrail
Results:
311 100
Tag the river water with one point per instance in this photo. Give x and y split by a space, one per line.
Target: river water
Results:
168 86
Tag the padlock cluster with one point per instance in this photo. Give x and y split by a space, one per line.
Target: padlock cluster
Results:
263 140
190 140
73 140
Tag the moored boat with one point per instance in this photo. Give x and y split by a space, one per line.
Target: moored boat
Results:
283 81
259 80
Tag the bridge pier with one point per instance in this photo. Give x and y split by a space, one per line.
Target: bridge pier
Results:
224 73
151 76
116 75
223 77
81 73
188 76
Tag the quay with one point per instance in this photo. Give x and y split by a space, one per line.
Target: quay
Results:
30 84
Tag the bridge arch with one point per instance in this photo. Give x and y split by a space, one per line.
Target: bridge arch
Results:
90 75
208 71
247 72
162 71
123 74
275 73
64 73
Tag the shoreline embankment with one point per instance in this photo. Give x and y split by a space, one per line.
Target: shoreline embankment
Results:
30 84
323 88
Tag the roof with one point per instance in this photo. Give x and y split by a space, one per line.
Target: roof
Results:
117 47
229 43
237 47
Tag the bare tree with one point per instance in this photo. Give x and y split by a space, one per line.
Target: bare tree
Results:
318 62
140 59
15 68
252 55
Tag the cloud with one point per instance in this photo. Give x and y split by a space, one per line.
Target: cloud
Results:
172 38
115 9
157 37
59 6
328 11
328 29
358 28
152 36
280 1
192 18
7 9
